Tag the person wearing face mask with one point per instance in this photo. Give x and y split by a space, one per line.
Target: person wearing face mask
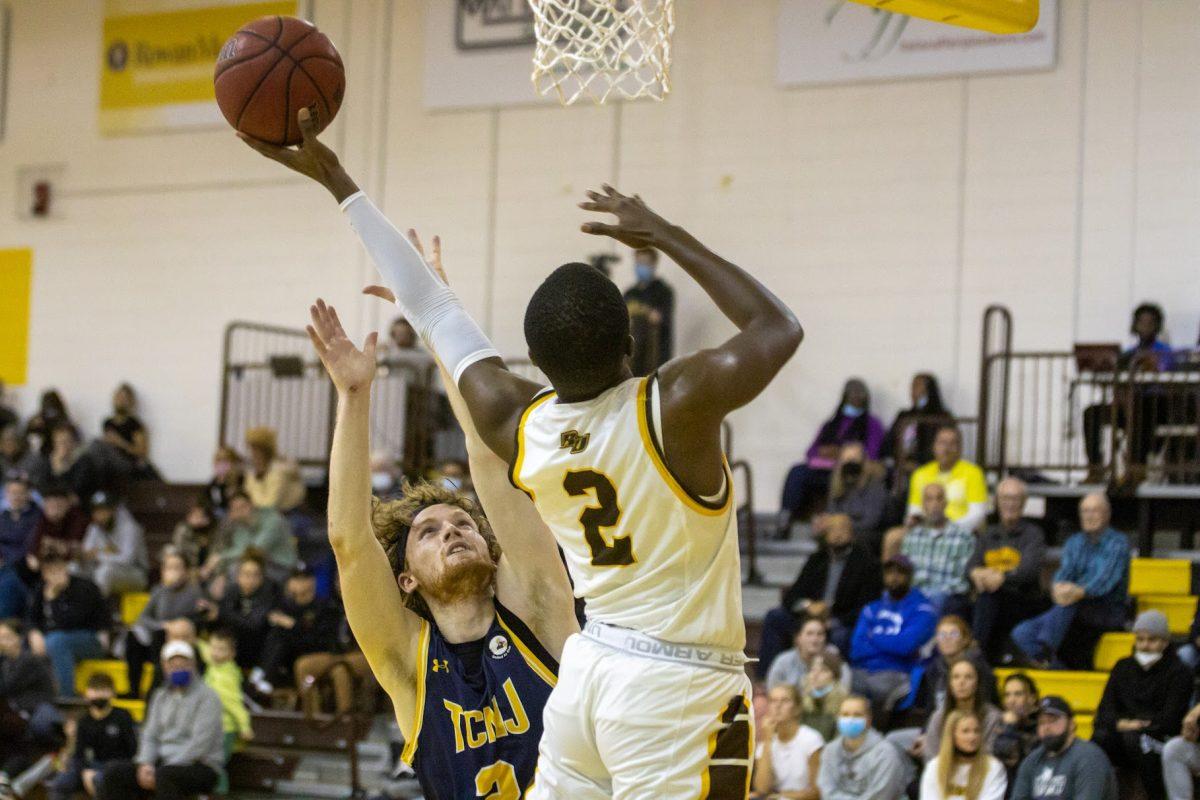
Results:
195 536
858 491
789 753
181 750
859 764
909 442
1144 704
1063 767
103 735
652 299
851 421
821 694
227 477
385 475
962 769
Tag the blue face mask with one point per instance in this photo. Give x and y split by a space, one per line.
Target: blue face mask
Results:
180 678
849 410
644 272
820 691
851 727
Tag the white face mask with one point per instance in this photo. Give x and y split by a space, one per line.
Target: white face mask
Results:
1147 659
381 481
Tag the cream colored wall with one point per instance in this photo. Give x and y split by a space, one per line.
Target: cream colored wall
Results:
887 215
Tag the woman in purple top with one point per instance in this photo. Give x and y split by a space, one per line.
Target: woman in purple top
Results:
852 421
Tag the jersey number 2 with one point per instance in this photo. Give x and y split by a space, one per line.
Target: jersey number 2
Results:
497 782
603 515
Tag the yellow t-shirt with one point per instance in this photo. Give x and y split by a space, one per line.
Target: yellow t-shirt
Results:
964 484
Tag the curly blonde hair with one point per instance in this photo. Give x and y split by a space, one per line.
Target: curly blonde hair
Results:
392 520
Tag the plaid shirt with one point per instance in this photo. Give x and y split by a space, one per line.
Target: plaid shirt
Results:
939 557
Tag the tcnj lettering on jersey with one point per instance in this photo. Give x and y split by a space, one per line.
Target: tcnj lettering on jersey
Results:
474 728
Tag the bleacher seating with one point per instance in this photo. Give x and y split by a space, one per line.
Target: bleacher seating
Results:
115 669
132 604
1164 576
1112 648
1180 611
1082 690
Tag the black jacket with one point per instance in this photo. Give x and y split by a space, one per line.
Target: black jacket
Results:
861 583
318 624
79 606
100 741
246 615
1161 694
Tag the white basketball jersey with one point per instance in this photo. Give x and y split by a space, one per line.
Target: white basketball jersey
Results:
641 551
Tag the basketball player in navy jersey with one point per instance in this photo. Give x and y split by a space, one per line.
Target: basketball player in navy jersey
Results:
628 474
465 637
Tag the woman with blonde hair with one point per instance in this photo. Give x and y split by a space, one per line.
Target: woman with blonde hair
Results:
821 695
962 769
272 480
788 755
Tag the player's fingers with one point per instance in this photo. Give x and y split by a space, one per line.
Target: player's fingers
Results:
598 228
322 319
588 205
274 152
370 343
307 119
315 337
336 321
382 292
415 238
610 191
437 259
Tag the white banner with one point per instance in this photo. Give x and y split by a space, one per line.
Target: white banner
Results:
836 41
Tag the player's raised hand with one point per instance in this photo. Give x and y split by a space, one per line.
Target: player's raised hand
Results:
311 158
351 369
434 260
637 226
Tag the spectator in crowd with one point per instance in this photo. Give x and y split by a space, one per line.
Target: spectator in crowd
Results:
124 438
386 475
51 413
341 669
886 647
114 550
1150 354
103 735
790 666
8 417
245 527
834 584
822 693
1063 767
965 692
962 768
18 524
272 481
1006 570
66 616
62 526
30 726
401 335
195 537
859 764
244 608
966 488
852 421
858 491
952 642
301 624
940 551
1089 590
68 463
1018 728
652 300
228 477
1144 703
788 756
909 442
1181 759
181 751
15 455
177 596
225 678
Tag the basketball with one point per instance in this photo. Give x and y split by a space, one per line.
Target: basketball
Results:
272 68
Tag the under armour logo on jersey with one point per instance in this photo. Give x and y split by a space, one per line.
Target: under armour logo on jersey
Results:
440 665
574 441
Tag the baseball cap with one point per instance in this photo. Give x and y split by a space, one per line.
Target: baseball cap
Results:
1053 704
900 561
104 499
176 649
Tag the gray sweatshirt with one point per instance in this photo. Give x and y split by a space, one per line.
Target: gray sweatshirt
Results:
167 603
183 727
873 772
1083 772
124 544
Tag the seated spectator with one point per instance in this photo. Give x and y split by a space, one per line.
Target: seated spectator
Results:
909 442
66 615
952 641
67 462
228 478
244 608
1018 727
1006 570
821 694
124 446
301 624
386 476
181 751
790 666
1063 767
8 417
858 491
225 678
30 726
1090 588
272 481
886 647
103 735
263 529
788 756
1181 759
339 670
834 584
114 550
852 421
18 524
1144 703
962 768
940 551
51 413
62 526
195 537
965 692
859 764
1150 354
176 597
15 455
966 488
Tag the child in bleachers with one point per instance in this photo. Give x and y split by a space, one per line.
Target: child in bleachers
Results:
103 734
225 678
176 597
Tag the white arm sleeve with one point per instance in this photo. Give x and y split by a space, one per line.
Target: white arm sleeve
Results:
433 309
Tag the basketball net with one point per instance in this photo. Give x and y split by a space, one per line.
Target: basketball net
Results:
602 48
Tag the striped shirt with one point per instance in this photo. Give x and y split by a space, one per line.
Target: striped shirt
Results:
939 557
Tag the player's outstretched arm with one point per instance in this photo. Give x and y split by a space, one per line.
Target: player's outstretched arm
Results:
495 396
384 628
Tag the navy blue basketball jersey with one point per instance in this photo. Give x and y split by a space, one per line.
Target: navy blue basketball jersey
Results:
479 712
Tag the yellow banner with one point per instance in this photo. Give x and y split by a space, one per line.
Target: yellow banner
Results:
16 280
158 59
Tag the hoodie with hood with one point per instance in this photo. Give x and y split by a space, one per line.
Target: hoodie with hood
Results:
890 633
872 772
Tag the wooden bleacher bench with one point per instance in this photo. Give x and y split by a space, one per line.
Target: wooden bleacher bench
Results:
282 737
159 506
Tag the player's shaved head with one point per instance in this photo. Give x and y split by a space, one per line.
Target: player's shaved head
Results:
577 330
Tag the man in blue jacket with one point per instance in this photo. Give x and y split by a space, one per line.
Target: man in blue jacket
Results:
886 647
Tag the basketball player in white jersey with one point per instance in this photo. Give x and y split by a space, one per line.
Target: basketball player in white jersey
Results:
652 699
